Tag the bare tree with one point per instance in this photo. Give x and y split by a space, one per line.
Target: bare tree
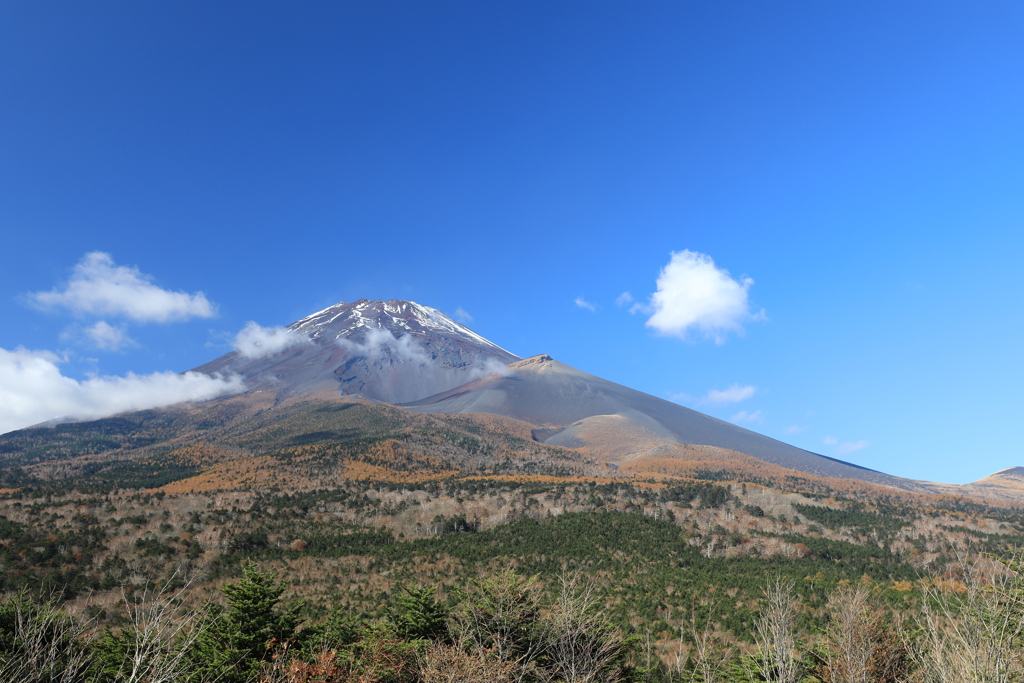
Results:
775 634
970 626
441 663
155 645
580 642
850 637
49 646
708 656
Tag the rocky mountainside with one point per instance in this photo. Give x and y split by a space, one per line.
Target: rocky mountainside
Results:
577 409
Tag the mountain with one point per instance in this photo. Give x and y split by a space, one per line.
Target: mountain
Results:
417 358
581 410
414 356
389 351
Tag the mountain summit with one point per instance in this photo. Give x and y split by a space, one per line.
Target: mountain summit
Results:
389 351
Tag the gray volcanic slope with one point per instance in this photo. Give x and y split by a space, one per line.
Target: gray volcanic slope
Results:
543 391
388 351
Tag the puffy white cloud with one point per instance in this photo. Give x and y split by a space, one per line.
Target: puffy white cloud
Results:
99 287
744 416
33 390
847 448
107 337
694 294
733 394
255 341
583 303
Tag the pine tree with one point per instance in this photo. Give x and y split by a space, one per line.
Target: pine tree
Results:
418 616
247 632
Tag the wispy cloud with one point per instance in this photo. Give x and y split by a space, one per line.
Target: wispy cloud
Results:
384 350
847 448
744 416
108 337
695 295
255 341
100 335
463 315
624 299
583 303
99 287
795 429
734 394
33 390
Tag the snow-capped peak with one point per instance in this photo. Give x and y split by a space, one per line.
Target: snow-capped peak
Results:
399 317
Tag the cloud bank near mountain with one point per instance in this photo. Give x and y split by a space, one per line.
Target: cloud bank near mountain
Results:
33 390
255 341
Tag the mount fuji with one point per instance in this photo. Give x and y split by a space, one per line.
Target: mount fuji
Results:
414 356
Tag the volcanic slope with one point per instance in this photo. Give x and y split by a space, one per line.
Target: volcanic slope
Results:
388 351
622 424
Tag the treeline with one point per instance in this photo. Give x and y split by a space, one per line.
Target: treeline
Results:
650 568
508 627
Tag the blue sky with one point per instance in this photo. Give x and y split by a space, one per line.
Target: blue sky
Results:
853 171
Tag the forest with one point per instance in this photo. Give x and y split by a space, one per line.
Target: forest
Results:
352 542
506 626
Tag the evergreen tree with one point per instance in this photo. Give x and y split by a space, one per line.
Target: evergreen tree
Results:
247 632
416 615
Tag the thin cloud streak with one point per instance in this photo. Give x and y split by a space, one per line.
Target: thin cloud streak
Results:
583 303
734 394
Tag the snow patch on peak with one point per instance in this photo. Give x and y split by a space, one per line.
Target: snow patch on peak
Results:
400 317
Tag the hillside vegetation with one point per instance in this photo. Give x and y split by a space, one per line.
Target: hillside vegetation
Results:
355 504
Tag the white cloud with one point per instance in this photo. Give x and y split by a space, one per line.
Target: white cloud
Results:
99 287
744 416
463 315
100 335
733 394
694 294
830 441
107 337
624 299
795 429
583 303
255 341
383 349
33 390
847 448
